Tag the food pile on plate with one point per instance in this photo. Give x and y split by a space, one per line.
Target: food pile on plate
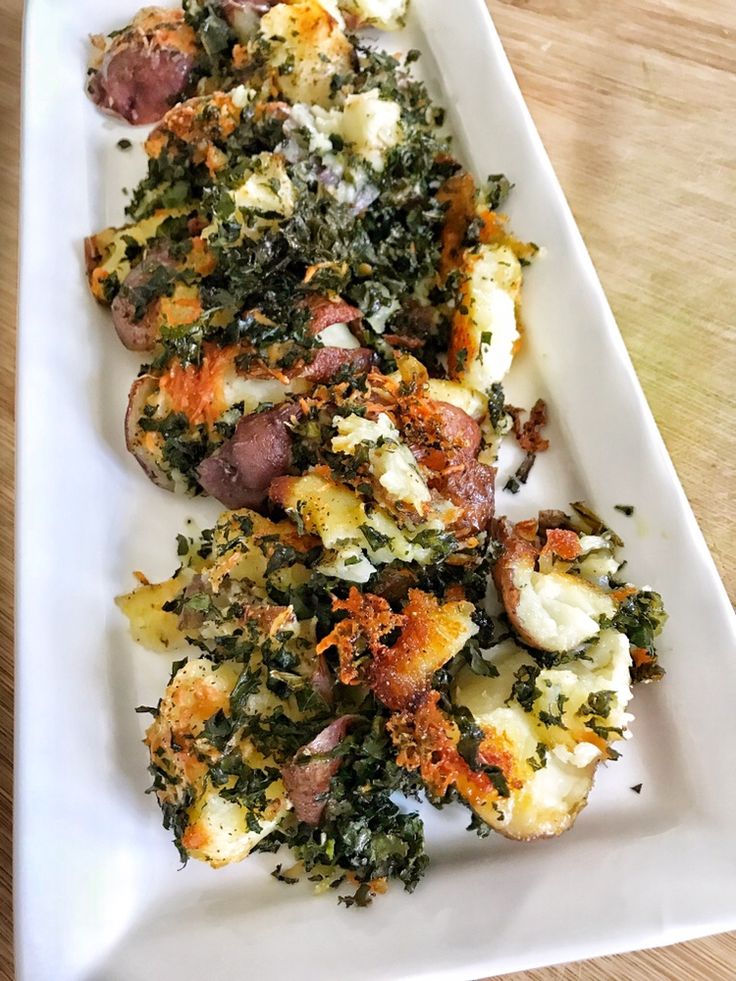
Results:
327 304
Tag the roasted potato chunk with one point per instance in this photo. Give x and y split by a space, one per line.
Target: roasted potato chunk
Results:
558 723
216 818
484 329
552 611
306 48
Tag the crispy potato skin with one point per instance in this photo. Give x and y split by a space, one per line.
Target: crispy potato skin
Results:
458 197
138 71
144 446
516 552
515 570
201 123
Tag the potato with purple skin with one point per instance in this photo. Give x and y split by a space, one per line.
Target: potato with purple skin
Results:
139 334
143 445
244 16
215 391
107 254
550 610
139 72
239 473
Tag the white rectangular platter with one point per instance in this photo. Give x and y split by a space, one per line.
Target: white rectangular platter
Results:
98 891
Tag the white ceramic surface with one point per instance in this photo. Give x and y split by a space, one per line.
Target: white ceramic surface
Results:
98 892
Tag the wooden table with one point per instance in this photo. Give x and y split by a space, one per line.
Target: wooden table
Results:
636 102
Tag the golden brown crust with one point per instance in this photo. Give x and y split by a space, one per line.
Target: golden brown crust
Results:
463 344
427 740
458 194
92 254
400 674
165 27
528 434
563 542
199 122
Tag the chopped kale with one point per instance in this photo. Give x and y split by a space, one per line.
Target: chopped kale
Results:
524 688
497 189
374 237
641 617
598 703
513 484
548 718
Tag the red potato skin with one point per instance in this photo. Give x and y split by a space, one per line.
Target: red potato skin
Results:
143 334
141 389
325 312
329 360
91 254
448 443
279 490
239 473
516 552
472 489
138 86
322 680
445 435
460 429
135 335
307 780
145 68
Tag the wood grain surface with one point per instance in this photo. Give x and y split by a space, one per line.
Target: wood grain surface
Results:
635 102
